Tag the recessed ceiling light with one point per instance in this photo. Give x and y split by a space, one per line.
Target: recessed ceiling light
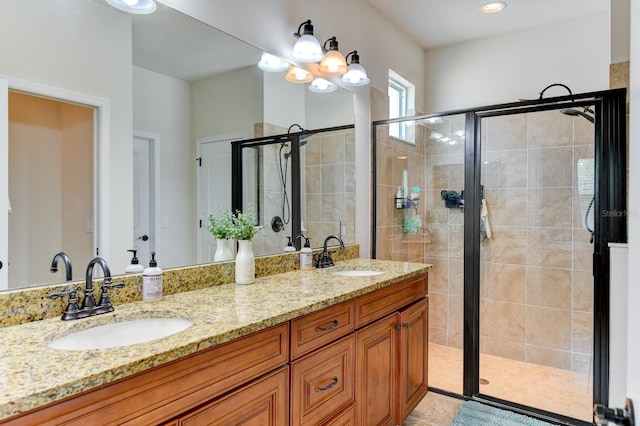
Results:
494 7
140 7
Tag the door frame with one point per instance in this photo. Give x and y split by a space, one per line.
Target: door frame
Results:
155 193
198 220
101 148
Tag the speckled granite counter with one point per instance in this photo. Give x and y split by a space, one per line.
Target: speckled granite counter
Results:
32 374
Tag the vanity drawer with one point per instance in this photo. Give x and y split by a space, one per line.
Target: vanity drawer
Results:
322 383
377 304
315 330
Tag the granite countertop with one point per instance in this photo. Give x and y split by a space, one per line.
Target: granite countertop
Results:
32 374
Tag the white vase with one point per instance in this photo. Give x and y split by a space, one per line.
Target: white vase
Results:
224 250
245 263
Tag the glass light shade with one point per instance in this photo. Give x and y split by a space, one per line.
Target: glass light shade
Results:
307 49
494 7
333 63
298 75
271 63
356 76
140 7
320 85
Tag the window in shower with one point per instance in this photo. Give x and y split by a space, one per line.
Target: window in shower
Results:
401 104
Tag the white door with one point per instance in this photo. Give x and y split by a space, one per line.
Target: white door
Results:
142 232
214 186
4 184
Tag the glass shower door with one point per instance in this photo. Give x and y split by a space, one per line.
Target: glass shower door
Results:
536 282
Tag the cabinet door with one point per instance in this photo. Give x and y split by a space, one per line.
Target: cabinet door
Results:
376 372
413 357
264 402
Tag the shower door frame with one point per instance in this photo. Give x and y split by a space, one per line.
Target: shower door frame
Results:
610 141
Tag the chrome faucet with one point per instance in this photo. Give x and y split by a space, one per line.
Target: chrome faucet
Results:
89 307
67 264
325 260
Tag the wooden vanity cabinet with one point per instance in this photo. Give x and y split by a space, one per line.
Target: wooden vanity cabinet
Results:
359 362
391 374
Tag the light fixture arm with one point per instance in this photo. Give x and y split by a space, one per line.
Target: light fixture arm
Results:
355 59
333 44
308 29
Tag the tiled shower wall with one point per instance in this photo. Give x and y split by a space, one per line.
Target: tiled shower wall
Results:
328 179
328 186
536 284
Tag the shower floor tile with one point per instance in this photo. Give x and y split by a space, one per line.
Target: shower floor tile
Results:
558 391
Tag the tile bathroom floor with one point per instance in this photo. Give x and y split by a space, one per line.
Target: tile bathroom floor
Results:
550 389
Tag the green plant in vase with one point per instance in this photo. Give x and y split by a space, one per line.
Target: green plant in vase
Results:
222 228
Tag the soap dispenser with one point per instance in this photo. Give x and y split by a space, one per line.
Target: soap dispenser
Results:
290 247
134 267
306 256
152 281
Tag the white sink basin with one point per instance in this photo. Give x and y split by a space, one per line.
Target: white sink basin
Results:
357 272
118 334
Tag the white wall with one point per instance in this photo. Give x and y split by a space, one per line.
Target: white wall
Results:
520 64
227 103
162 105
633 341
97 43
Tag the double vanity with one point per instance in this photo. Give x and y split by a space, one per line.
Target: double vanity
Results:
336 346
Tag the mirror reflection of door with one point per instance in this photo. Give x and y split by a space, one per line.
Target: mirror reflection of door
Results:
51 187
214 186
144 238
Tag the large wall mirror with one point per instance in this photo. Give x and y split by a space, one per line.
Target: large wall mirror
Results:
174 94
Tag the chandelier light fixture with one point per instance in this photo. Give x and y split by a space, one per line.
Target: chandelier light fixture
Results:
333 62
298 75
139 7
320 85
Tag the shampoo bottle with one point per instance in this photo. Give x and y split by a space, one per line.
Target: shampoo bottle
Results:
152 281
134 267
306 256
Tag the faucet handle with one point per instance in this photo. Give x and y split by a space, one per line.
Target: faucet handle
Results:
105 305
71 311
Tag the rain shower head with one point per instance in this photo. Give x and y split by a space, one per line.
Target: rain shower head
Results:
574 113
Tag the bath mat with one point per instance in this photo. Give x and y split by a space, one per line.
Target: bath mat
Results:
474 413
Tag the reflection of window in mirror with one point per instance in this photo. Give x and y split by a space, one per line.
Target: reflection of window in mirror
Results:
50 186
586 190
401 104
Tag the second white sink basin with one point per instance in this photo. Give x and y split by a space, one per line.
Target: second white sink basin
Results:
118 334
357 272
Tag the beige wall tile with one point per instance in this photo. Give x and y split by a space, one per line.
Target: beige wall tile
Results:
456 313
550 167
437 335
439 237
502 348
549 129
505 169
438 310
333 148
455 339
583 291
549 357
505 282
581 363
456 277
550 207
438 275
506 207
549 247
550 287
582 332
505 132
508 245
504 320
549 327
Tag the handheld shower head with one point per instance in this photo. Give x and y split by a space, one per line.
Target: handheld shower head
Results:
585 114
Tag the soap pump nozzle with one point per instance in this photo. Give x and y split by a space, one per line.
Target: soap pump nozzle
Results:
134 259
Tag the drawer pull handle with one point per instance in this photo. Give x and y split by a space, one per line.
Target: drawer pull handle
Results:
329 386
331 326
